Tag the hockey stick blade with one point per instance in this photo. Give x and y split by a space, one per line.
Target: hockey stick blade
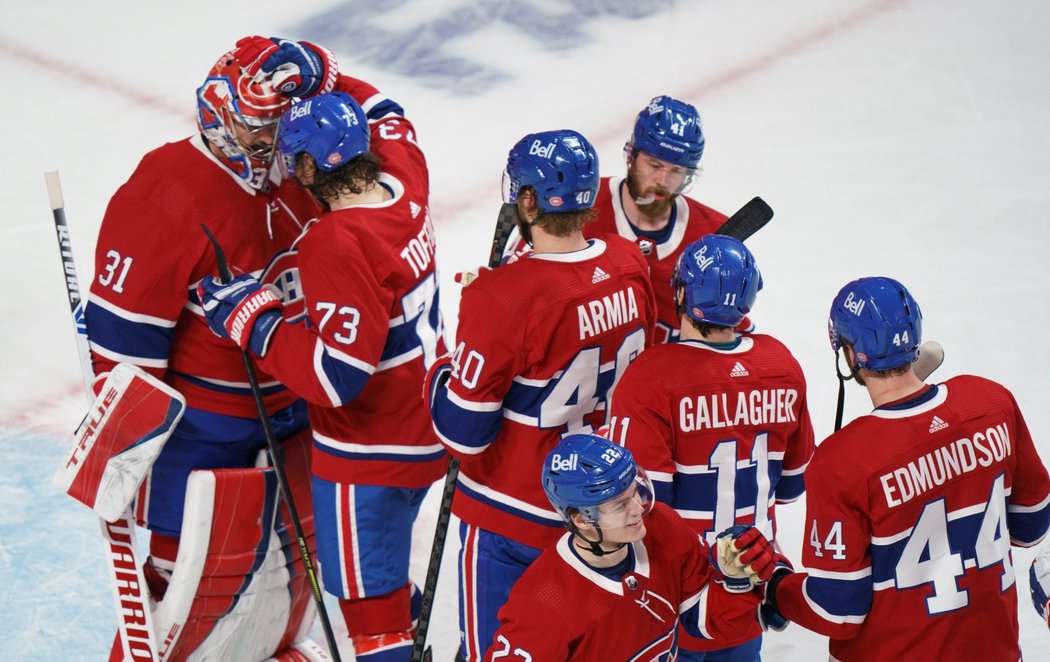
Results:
931 356
748 220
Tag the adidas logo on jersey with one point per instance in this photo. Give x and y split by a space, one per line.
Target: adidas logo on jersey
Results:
739 370
937 424
599 275
414 208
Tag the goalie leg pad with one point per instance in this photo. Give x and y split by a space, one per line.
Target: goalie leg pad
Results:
239 589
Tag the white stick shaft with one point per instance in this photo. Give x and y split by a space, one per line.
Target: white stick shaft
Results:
69 267
134 619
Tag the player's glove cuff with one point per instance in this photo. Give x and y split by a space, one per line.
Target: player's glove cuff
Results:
769 616
1039 583
723 555
253 321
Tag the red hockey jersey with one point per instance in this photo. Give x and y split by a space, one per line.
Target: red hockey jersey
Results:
911 512
723 432
690 220
563 609
362 321
540 343
151 254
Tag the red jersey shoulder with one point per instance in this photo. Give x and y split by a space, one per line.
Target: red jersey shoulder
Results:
703 220
970 392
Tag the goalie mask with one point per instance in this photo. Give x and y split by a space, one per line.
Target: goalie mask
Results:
880 320
238 114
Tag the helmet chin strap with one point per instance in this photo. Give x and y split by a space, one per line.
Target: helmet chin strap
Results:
854 370
525 228
595 546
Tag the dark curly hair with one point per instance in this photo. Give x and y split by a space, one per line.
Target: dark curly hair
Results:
353 177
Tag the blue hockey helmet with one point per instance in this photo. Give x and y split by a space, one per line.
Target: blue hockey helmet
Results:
670 130
880 320
561 166
332 128
719 278
584 471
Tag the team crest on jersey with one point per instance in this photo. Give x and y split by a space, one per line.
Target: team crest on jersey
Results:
646 246
283 274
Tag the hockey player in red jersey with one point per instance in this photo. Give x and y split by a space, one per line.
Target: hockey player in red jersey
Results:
649 206
360 326
618 583
150 255
718 419
912 509
540 343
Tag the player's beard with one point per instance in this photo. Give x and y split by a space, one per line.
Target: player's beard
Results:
655 209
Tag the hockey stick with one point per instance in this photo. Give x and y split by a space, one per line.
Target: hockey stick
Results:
134 618
747 220
931 356
505 222
278 464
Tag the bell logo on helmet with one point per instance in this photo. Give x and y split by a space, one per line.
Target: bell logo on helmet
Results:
567 464
853 304
543 151
702 261
301 110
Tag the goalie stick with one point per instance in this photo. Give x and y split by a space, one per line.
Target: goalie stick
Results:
278 464
505 223
134 619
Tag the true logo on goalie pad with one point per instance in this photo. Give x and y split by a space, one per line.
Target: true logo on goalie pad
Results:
119 440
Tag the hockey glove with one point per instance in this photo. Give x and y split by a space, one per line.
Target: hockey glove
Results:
1039 583
241 310
297 68
769 616
743 558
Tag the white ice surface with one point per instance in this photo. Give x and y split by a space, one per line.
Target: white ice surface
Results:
895 137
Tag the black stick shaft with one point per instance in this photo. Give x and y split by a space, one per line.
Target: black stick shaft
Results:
278 465
505 222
